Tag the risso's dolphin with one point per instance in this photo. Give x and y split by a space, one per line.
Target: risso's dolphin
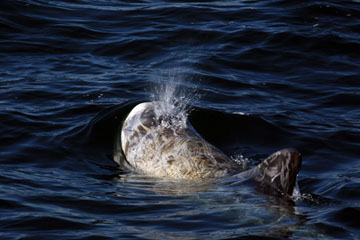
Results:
164 144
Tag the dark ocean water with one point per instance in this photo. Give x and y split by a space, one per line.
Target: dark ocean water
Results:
260 76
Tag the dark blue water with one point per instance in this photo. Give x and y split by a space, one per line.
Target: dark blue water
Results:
261 76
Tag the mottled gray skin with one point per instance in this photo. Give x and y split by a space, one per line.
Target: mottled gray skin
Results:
154 145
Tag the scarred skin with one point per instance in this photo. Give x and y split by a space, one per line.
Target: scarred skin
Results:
166 150
165 146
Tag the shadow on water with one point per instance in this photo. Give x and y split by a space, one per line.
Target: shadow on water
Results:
239 132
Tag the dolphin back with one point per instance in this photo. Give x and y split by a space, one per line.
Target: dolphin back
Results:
159 143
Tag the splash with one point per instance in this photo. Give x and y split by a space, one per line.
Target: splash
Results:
242 161
176 91
296 195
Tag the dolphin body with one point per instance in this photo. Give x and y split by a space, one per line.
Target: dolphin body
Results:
160 143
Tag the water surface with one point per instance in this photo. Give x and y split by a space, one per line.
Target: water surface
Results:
260 76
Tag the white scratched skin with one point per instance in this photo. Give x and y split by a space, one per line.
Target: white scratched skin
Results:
170 147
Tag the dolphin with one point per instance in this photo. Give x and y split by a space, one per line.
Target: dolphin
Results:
158 140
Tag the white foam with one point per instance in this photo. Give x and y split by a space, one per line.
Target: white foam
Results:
296 195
